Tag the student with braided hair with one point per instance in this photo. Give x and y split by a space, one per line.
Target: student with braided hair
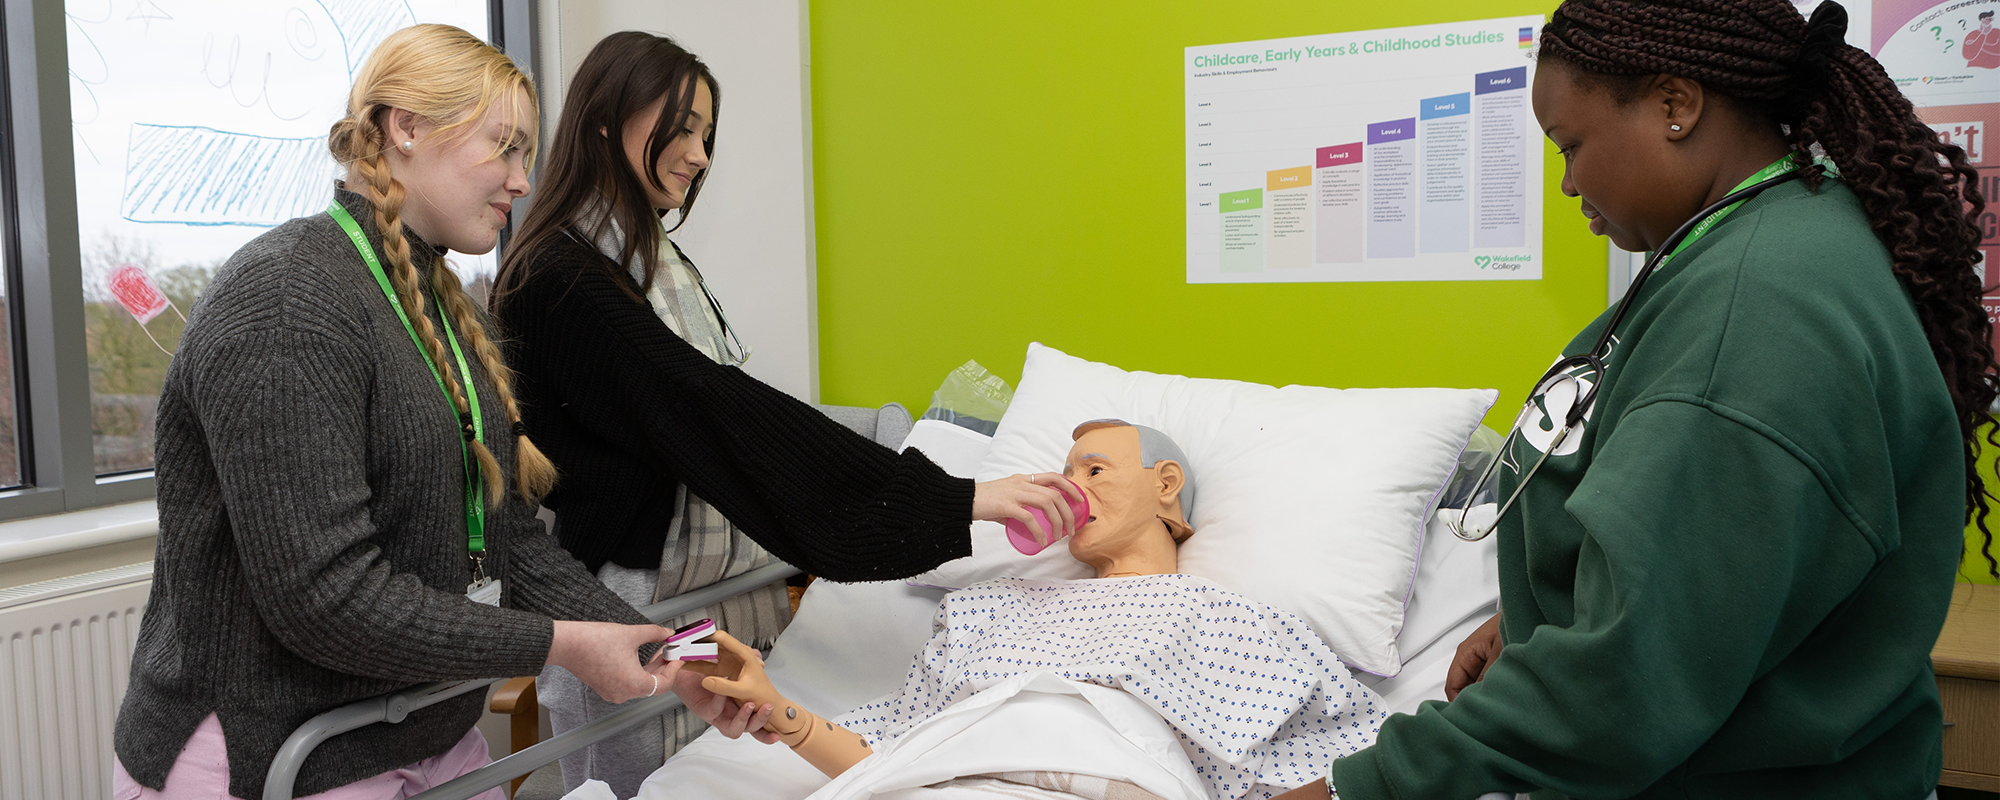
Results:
1724 577
344 494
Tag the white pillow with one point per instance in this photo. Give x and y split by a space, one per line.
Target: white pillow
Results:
954 449
1311 499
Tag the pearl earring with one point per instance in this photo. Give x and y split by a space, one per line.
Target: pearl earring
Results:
1674 128
408 146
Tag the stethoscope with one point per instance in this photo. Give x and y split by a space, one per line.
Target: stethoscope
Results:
1591 362
734 351
733 348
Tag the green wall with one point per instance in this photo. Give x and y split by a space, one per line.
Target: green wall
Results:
992 174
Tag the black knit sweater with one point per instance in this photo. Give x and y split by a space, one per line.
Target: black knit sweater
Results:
628 411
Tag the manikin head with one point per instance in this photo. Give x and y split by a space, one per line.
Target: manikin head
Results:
1140 497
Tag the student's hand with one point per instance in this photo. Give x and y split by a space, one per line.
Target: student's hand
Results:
1012 496
605 656
731 692
1474 656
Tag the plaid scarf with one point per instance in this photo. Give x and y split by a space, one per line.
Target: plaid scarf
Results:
703 546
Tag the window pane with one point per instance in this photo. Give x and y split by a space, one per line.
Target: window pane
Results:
199 126
10 430
10 435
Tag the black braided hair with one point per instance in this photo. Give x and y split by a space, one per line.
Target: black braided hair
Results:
1921 196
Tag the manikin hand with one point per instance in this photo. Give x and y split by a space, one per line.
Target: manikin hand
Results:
723 713
1474 656
727 714
735 678
1012 496
738 674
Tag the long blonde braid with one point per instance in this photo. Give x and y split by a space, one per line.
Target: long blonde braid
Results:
534 474
440 73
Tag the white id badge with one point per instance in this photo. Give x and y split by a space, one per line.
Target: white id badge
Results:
486 590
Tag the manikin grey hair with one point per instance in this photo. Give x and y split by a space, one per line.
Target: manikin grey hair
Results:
1155 446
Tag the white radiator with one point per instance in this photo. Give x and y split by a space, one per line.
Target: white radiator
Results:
65 655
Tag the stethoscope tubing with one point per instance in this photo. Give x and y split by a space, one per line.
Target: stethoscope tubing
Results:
1594 358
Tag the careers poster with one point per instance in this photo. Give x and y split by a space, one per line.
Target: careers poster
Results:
1945 56
1403 154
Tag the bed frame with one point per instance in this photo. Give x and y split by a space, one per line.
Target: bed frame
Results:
394 708
887 425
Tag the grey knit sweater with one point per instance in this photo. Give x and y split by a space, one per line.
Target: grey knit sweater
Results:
312 546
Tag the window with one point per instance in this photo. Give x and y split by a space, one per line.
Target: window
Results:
142 143
11 449
198 126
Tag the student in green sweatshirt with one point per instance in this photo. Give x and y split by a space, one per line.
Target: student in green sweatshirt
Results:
1726 579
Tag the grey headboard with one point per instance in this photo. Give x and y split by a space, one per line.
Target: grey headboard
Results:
888 425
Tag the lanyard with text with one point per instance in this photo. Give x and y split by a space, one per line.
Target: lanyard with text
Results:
474 428
1774 169
1574 368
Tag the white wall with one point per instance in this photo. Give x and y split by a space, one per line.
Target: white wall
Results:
752 229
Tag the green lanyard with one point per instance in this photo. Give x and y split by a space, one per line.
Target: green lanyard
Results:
1776 168
474 428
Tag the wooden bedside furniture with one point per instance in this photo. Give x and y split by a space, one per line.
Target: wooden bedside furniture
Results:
1967 662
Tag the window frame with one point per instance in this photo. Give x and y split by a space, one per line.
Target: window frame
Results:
43 258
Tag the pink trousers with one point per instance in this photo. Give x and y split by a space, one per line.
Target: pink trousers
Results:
202 773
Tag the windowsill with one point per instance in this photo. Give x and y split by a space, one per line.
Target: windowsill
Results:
75 530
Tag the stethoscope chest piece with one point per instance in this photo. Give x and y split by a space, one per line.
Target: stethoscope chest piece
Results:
1586 371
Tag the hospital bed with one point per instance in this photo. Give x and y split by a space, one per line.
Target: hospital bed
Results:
851 643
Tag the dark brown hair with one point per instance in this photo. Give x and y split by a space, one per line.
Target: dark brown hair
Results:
1921 196
623 74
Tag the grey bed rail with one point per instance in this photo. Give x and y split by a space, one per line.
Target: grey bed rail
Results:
396 706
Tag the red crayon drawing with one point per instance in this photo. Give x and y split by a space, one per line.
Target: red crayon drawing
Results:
137 293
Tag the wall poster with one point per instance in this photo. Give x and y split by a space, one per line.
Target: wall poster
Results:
1945 56
1402 154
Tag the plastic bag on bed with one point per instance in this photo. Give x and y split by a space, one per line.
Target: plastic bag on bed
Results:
1460 491
972 398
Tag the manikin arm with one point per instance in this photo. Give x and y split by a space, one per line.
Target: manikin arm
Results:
738 673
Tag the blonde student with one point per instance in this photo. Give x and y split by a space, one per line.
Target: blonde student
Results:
346 500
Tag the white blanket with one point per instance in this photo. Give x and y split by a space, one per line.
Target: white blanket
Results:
1034 721
1254 700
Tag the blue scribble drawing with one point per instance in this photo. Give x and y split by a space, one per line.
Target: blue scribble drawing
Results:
201 176
146 12
229 82
191 175
365 23
302 35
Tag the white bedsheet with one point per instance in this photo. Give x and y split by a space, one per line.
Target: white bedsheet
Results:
1254 697
1030 722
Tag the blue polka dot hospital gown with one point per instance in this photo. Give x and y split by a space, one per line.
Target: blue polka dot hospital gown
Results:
1259 702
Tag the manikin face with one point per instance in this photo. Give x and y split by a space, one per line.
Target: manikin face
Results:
1126 500
1616 158
459 192
685 155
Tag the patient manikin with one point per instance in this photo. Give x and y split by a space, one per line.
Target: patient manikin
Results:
1010 633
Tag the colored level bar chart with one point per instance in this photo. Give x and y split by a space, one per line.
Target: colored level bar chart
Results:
1387 155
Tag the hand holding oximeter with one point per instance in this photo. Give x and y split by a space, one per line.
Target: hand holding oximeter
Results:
685 645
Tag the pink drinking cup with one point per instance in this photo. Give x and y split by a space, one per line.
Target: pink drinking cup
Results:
1024 539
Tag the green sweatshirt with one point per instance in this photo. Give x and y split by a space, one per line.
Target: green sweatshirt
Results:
1730 587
